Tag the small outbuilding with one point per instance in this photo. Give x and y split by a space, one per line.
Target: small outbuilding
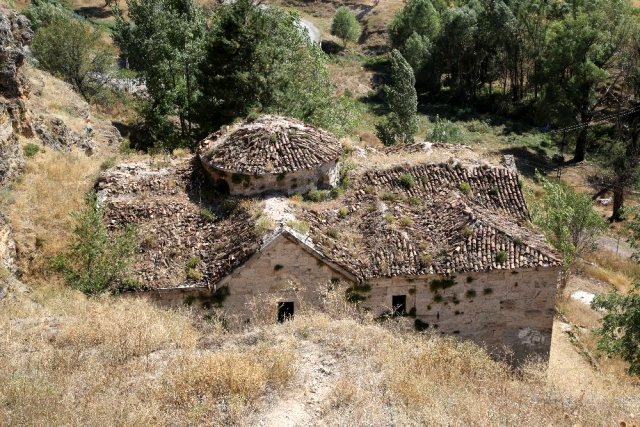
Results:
271 155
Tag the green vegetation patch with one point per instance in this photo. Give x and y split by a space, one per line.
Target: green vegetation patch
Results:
356 293
445 283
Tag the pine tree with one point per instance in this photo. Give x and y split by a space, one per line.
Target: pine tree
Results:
402 99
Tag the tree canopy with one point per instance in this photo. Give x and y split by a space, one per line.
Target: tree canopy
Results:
259 60
345 25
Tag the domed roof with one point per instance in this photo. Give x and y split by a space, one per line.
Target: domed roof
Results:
269 145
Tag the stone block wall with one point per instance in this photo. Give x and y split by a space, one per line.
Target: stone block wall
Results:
513 308
323 177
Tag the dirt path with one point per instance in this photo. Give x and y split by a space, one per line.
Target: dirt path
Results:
301 404
568 370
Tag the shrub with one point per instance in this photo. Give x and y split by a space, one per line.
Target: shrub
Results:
415 201
207 214
75 51
318 195
31 149
407 181
445 131
108 163
620 331
501 257
569 222
94 261
297 197
464 187
493 190
471 293
405 221
343 212
193 262
425 260
300 226
333 232
389 218
345 26
487 291
194 274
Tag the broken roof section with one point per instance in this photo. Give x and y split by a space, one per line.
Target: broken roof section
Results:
269 145
404 221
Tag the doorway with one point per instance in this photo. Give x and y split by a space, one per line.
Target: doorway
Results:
399 304
285 311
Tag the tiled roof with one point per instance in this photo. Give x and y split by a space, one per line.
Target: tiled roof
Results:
437 225
269 145
408 220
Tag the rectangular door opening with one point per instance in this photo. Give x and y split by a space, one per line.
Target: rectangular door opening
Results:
399 304
285 311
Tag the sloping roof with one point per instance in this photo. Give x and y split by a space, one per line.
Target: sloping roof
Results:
433 226
430 227
269 145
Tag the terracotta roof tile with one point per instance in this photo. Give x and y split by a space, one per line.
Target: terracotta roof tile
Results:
269 145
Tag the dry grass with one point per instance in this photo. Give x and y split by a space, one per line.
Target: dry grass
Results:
54 185
69 360
614 269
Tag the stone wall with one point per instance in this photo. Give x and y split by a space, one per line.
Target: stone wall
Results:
502 307
494 309
283 271
300 181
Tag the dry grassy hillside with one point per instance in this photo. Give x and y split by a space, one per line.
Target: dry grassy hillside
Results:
68 360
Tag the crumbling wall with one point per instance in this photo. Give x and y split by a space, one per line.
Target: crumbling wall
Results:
283 271
322 177
513 308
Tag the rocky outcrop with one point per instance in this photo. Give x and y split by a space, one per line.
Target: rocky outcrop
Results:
55 134
15 35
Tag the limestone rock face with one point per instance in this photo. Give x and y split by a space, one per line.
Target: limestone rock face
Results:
15 35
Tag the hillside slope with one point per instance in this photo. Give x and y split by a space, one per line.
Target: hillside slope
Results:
69 360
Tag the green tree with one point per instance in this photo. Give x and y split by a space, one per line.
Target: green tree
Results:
73 50
42 12
94 261
345 25
257 60
417 16
163 41
402 99
619 334
568 220
579 67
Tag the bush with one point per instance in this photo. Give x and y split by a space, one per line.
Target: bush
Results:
75 51
501 257
407 181
445 131
620 330
96 262
345 26
568 220
318 195
464 187
31 149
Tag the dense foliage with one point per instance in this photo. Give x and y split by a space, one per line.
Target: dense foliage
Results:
345 25
620 330
561 57
568 220
163 41
74 50
251 59
401 124
96 262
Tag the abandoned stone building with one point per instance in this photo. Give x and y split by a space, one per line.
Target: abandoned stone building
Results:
447 245
271 154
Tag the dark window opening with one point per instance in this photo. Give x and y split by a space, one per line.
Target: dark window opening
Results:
285 311
399 304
